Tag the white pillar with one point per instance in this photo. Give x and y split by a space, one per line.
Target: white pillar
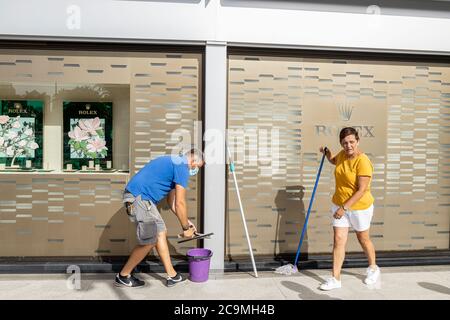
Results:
215 122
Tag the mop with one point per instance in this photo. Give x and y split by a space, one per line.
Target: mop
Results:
289 268
242 211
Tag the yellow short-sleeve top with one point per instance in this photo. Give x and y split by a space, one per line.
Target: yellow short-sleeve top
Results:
346 175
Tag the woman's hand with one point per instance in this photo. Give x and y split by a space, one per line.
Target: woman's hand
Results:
328 152
339 213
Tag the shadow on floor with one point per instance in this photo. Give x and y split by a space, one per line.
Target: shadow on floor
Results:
321 280
434 287
90 279
89 282
304 292
156 276
312 275
356 275
119 292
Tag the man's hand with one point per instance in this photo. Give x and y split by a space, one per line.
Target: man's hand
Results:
189 233
191 225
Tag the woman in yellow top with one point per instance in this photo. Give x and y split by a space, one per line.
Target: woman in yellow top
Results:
352 205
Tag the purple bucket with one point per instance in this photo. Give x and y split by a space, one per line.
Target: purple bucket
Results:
199 260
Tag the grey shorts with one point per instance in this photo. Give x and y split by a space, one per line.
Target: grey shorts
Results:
145 214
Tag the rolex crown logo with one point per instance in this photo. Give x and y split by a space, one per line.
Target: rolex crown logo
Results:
88 107
345 112
17 105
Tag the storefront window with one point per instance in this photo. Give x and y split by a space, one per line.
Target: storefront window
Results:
281 110
75 125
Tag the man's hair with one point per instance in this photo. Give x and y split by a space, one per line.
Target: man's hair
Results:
197 154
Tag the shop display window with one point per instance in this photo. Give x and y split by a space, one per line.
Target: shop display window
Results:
87 135
21 138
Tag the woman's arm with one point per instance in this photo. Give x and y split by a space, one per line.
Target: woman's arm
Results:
330 157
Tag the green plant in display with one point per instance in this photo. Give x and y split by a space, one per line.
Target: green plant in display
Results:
87 133
87 139
17 137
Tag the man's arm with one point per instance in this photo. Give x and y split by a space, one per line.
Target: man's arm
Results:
180 205
171 201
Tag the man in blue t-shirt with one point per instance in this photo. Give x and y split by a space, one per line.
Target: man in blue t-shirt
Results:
161 177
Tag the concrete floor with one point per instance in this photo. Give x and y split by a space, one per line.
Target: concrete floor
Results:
430 282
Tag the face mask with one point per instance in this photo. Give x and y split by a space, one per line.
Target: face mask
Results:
193 172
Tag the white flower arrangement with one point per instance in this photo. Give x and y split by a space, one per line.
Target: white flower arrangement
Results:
87 139
17 138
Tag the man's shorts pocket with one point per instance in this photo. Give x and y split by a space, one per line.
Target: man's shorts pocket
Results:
143 213
147 232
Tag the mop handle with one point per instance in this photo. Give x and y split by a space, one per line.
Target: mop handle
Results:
242 212
310 205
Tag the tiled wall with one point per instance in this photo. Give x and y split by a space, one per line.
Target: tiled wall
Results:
165 99
46 214
403 111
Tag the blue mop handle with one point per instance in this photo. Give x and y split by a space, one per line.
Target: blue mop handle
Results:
310 205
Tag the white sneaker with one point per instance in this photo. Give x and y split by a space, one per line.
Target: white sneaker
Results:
372 275
330 284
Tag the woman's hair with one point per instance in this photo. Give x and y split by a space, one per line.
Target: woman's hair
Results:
347 132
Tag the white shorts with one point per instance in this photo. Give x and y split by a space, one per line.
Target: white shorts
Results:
359 220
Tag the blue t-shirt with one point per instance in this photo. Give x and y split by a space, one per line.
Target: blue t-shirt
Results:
158 177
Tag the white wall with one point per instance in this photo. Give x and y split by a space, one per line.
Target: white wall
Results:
215 20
